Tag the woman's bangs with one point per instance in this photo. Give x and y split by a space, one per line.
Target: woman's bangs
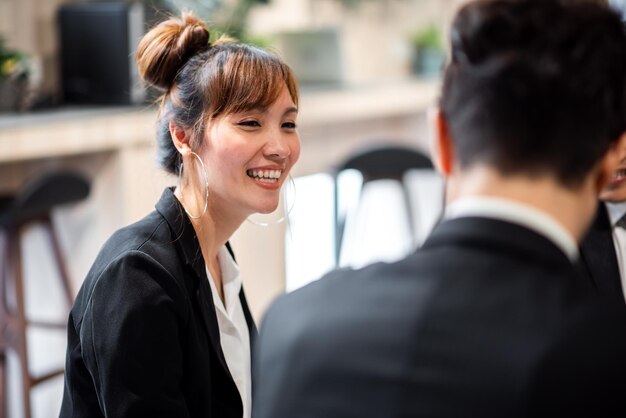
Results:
257 81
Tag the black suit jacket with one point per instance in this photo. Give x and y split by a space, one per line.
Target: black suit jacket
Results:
143 337
598 256
483 321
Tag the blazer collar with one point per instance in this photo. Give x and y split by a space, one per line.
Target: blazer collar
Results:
186 239
498 235
187 243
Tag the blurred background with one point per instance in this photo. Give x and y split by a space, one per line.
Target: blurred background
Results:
71 101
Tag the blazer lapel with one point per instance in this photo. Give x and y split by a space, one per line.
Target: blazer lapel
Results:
598 253
244 304
204 299
189 248
252 330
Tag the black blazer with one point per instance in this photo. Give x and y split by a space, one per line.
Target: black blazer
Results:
483 321
143 337
598 257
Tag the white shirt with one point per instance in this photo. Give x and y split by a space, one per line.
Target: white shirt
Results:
616 211
517 213
234 334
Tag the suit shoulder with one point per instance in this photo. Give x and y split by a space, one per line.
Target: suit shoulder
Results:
344 298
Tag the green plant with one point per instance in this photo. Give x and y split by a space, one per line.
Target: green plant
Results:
13 64
428 37
244 37
428 51
229 18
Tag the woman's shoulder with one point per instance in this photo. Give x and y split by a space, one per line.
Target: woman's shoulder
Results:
148 244
144 235
141 255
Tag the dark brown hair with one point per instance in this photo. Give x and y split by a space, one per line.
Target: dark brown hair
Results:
203 80
536 86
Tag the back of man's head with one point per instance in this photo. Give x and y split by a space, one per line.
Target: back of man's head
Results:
535 87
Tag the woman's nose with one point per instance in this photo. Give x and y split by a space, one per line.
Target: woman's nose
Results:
277 146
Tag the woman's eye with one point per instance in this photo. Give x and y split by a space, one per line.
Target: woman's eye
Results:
249 123
289 125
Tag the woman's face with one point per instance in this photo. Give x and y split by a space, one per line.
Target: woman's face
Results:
615 191
248 156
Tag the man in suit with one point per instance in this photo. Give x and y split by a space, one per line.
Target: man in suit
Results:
487 319
603 251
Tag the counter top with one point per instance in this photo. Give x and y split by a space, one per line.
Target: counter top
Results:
77 130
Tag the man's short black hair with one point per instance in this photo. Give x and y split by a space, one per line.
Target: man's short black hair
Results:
535 87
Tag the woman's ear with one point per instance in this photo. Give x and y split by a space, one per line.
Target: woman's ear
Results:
180 137
441 143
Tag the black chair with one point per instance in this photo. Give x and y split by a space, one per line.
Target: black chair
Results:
378 162
33 203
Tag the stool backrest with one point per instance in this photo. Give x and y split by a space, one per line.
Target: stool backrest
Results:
385 162
378 162
39 195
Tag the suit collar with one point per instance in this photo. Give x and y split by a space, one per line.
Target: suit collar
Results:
519 213
497 236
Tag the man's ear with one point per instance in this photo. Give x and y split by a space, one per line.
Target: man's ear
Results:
442 146
180 138
610 162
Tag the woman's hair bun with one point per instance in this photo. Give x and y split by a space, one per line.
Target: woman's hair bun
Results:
168 46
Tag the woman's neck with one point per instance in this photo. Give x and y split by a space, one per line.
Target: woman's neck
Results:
213 227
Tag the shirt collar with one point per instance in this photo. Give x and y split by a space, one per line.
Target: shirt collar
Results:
518 213
615 211
231 280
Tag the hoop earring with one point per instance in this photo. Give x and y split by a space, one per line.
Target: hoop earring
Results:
206 187
282 218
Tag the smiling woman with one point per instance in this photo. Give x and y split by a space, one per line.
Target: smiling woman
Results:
161 326
249 155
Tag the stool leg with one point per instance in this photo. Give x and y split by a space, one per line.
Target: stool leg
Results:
58 257
409 211
338 222
4 324
4 407
15 271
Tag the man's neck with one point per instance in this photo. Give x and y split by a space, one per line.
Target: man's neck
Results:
572 209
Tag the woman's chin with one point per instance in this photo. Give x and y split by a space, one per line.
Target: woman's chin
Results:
267 208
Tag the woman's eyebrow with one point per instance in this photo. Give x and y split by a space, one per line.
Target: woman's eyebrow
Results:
264 109
257 109
292 109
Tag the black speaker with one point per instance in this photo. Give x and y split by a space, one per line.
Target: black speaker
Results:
97 45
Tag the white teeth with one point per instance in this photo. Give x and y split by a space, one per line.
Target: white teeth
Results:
272 175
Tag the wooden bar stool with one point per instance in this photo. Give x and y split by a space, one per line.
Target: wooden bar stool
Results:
33 203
